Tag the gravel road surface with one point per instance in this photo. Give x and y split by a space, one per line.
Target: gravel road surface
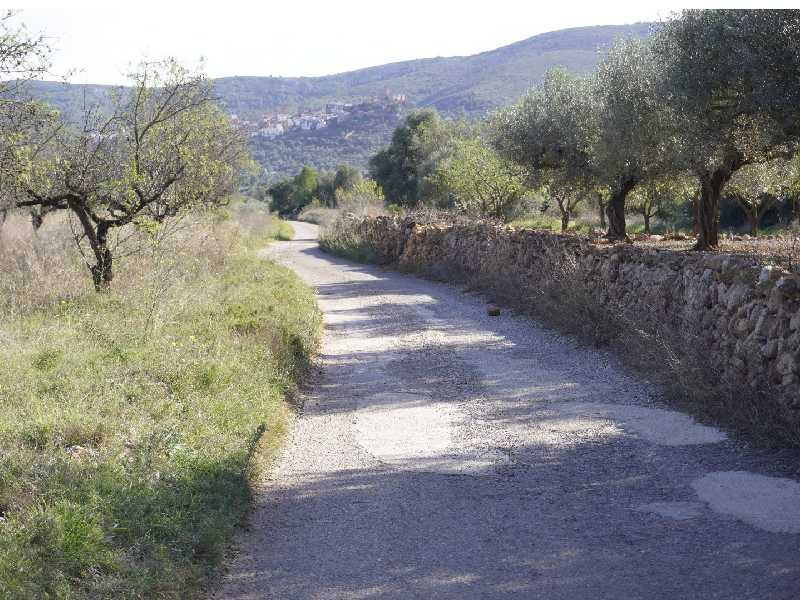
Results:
445 453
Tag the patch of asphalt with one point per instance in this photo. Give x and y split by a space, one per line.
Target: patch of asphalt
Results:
769 503
444 453
656 425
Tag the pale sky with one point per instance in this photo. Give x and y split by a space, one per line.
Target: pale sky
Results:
97 41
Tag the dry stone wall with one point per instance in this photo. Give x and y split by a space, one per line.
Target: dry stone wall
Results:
739 318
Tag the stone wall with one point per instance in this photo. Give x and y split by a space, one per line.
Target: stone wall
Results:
738 318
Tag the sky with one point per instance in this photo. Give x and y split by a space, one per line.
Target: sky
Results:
97 42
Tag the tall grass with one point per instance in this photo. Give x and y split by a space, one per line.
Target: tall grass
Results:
132 423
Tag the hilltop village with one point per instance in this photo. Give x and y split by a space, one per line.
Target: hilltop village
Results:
274 124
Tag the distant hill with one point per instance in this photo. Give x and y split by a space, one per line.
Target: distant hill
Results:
469 86
456 85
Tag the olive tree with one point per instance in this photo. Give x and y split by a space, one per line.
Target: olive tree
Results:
163 149
568 193
551 133
631 141
756 187
653 196
606 131
479 182
730 80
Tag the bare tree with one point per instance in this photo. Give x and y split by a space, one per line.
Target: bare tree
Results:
164 148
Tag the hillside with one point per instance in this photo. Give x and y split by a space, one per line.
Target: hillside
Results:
458 86
461 84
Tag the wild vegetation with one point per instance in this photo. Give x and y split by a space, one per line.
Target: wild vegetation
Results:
309 190
137 403
133 421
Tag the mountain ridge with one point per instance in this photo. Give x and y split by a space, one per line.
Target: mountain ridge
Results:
458 86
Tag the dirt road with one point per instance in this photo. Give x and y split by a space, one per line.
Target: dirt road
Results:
444 453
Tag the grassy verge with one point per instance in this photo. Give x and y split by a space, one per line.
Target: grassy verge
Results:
132 423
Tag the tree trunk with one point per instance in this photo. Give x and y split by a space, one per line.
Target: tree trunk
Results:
708 209
615 210
97 235
37 219
102 270
752 218
602 210
564 220
646 224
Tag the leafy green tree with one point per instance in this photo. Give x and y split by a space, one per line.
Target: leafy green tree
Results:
361 196
652 197
329 182
22 57
305 183
631 128
402 169
291 195
551 133
165 148
479 181
757 187
282 198
730 79
326 188
346 177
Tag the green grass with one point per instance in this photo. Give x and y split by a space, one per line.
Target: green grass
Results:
129 436
550 222
284 232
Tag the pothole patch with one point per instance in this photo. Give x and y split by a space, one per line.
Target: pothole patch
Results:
656 425
411 431
769 503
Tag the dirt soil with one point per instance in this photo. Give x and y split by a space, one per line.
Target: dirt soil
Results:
445 453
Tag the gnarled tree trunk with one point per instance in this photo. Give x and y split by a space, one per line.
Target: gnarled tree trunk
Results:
615 210
96 231
103 270
708 208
